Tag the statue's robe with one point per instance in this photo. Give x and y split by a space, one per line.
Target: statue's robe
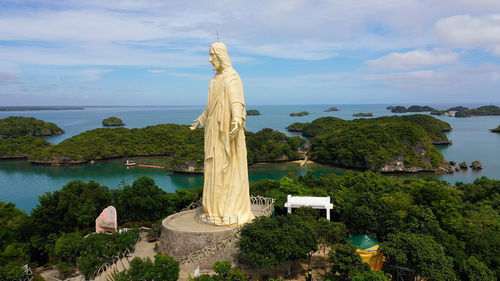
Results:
226 196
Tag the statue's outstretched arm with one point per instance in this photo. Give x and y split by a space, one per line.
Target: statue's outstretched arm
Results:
200 121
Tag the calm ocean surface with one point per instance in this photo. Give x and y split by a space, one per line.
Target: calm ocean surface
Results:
22 183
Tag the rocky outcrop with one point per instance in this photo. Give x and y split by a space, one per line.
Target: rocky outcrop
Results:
463 165
476 165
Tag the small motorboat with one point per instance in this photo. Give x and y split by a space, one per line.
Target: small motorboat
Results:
130 163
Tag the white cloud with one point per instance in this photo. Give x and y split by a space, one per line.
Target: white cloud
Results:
468 31
477 82
413 59
156 70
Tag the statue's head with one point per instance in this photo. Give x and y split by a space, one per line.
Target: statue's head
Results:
219 56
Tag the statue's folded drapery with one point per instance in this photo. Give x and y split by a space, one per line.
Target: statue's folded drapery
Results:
226 197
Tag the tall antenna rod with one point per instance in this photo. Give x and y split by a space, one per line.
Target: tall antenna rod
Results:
217 35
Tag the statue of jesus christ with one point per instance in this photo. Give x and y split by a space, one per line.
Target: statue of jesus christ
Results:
226 195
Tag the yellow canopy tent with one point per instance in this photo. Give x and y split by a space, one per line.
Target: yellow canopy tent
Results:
368 250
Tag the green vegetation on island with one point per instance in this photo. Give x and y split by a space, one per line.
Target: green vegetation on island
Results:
362 114
396 143
268 145
496 130
112 121
390 107
438 112
436 230
185 147
333 108
22 147
251 112
310 130
457 108
463 113
413 108
377 146
302 113
480 111
433 126
17 126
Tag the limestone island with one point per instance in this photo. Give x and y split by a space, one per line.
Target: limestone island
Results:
484 110
112 122
361 114
413 108
303 113
383 144
496 130
333 108
180 149
458 108
476 165
251 112
18 126
390 107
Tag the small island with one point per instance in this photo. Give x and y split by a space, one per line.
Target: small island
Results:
458 108
496 130
413 108
361 114
18 126
333 108
303 113
112 122
447 113
383 144
251 112
484 110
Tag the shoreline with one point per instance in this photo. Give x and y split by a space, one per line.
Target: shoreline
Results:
299 162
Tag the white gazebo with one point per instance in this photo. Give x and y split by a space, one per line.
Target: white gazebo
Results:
307 201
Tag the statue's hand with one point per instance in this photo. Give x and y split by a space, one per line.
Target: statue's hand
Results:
195 125
235 126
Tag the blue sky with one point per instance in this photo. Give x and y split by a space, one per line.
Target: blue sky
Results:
135 52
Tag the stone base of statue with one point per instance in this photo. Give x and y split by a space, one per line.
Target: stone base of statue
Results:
193 240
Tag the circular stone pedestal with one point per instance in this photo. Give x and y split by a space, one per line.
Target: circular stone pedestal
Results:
187 239
182 234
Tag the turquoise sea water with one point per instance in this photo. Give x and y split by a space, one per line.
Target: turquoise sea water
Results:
22 183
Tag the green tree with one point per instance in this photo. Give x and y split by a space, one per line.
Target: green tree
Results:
143 201
68 247
420 253
371 275
345 262
12 222
270 241
164 268
474 270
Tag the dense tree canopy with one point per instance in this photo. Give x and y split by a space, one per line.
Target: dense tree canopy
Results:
17 126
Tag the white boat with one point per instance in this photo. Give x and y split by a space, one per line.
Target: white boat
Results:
130 163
